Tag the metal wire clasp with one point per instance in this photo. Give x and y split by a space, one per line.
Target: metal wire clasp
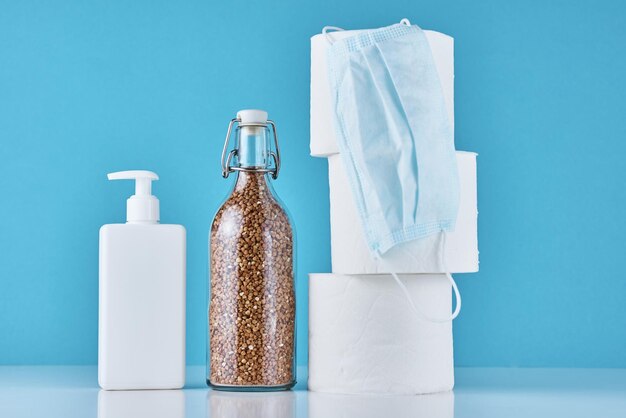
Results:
227 156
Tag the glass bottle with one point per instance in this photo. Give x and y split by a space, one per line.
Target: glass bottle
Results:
252 288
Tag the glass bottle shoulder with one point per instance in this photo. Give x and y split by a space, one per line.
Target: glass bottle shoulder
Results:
251 199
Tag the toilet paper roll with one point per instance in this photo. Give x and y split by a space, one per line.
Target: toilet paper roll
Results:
349 251
323 141
327 405
365 338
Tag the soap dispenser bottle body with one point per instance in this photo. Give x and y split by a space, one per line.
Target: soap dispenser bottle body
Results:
141 341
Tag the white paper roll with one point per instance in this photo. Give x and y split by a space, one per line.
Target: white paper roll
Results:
350 254
323 141
365 338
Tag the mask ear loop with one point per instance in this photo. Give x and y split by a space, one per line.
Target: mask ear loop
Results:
327 35
457 294
455 288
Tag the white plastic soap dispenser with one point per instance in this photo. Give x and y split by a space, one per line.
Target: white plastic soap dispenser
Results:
141 341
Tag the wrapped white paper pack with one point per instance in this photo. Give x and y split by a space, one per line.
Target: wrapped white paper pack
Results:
331 405
365 338
322 128
349 252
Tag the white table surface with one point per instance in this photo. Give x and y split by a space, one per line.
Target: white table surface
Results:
72 391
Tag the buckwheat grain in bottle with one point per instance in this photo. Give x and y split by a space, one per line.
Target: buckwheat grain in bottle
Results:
252 289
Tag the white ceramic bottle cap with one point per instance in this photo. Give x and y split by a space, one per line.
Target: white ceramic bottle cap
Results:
252 116
142 207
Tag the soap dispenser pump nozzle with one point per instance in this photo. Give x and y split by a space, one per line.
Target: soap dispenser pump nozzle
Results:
142 207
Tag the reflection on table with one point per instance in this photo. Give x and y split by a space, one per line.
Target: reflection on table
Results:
72 391
324 405
251 404
141 403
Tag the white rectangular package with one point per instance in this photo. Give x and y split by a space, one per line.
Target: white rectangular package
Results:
349 251
323 141
365 338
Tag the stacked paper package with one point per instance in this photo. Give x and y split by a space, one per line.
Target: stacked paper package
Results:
363 335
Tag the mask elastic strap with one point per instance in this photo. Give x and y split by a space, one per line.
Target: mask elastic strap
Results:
327 35
457 294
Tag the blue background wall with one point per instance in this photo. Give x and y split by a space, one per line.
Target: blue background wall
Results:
92 87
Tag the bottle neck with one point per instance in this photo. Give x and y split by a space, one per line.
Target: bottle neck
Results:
253 147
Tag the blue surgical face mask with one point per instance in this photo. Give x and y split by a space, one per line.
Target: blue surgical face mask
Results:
394 134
